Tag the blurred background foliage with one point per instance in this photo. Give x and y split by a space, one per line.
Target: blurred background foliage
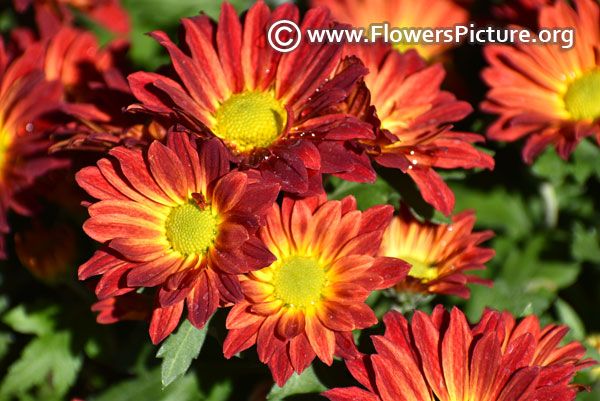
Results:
545 216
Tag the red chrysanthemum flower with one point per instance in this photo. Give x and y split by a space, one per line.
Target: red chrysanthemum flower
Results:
442 358
47 260
307 303
51 14
130 306
440 254
414 118
96 92
266 106
546 92
25 95
401 14
177 219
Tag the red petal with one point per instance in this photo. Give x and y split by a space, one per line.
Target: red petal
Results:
321 339
301 353
164 321
267 343
168 171
229 43
433 188
291 323
202 301
455 355
350 394
155 272
230 236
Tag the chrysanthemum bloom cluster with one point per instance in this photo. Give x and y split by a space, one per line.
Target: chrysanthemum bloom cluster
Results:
179 227
546 93
439 254
440 357
25 96
309 300
401 14
267 107
413 117
177 219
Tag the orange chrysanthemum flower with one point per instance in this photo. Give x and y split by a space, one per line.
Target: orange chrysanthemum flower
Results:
401 14
266 106
414 118
175 219
308 302
440 254
442 358
546 92
25 95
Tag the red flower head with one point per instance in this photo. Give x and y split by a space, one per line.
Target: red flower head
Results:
130 306
440 254
47 260
547 93
25 95
414 118
96 92
177 219
266 106
51 14
442 358
401 14
307 303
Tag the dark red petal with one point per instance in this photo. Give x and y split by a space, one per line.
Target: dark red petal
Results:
202 301
301 353
281 367
433 188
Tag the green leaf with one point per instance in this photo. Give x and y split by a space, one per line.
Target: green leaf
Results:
568 316
37 322
6 340
586 244
45 361
555 275
367 195
518 300
550 166
307 382
148 387
497 209
179 350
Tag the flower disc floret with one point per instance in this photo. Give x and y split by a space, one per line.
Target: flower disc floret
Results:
299 281
582 99
191 229
250 120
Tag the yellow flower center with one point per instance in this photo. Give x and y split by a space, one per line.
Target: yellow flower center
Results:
250 120
4 145
421 270
298 281
190 229
582 99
